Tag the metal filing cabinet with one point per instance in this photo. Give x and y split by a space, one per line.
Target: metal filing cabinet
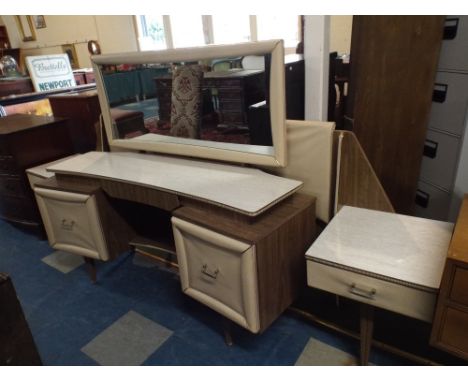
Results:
446 123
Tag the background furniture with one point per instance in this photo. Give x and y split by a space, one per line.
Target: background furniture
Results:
15 86
128 123
83 111
27 141
18 347
233 92
435 197
451 317
393 65
4 40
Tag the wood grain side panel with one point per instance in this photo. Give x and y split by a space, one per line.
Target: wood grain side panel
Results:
281 264
131 192
392 76
359 186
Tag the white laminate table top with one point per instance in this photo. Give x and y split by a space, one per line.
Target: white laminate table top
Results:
401 247
246 190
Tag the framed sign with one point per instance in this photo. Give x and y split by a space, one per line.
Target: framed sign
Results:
50 72
26 27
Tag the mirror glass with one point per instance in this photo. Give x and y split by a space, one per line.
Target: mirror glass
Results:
193 100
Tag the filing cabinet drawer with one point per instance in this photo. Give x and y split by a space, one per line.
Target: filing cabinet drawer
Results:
404 299
218 271
459 291
432 202
72 222
454 50
449 102
440 159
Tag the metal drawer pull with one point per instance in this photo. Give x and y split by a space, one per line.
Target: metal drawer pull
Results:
362 292
209 273
67 225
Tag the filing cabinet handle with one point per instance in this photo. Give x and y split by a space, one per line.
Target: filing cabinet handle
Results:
67 225
439 94
430 149
362 292
450 28
422 198
209 273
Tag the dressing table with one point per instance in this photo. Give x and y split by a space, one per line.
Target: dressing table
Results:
239 233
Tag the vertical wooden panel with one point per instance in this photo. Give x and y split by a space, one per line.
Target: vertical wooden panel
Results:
393 65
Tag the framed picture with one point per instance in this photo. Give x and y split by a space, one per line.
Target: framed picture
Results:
70 51
26 27
39 22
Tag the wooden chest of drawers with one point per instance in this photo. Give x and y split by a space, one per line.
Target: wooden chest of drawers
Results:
450 328
27 141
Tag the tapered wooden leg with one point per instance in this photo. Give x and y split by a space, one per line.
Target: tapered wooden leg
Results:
367 327
91 265
227 332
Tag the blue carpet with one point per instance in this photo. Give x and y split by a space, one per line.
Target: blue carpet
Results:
149 107
65 312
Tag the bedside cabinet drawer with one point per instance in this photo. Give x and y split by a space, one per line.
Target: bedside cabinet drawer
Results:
218 271
72 222
404 299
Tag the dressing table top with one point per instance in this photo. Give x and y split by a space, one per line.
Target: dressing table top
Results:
245 190
404 248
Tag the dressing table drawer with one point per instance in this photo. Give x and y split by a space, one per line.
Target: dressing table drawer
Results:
72 222
399 298
218 271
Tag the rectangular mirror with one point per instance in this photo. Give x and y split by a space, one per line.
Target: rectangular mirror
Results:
221 102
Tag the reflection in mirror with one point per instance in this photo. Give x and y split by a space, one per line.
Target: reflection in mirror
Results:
221 102
218 100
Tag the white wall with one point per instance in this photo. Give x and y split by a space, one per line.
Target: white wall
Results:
114 34
340 34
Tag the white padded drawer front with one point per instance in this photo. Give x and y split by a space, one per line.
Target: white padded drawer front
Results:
72 222
218 271
449 103
397 298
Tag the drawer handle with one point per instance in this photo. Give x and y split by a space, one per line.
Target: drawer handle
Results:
209 273
67 225
362 292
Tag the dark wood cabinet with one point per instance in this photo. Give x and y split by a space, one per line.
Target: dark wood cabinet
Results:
27 141
4 40
83 110
393 66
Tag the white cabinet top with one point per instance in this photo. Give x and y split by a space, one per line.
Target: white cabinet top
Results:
245 190
404 248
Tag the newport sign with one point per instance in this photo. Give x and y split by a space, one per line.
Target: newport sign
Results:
50 72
